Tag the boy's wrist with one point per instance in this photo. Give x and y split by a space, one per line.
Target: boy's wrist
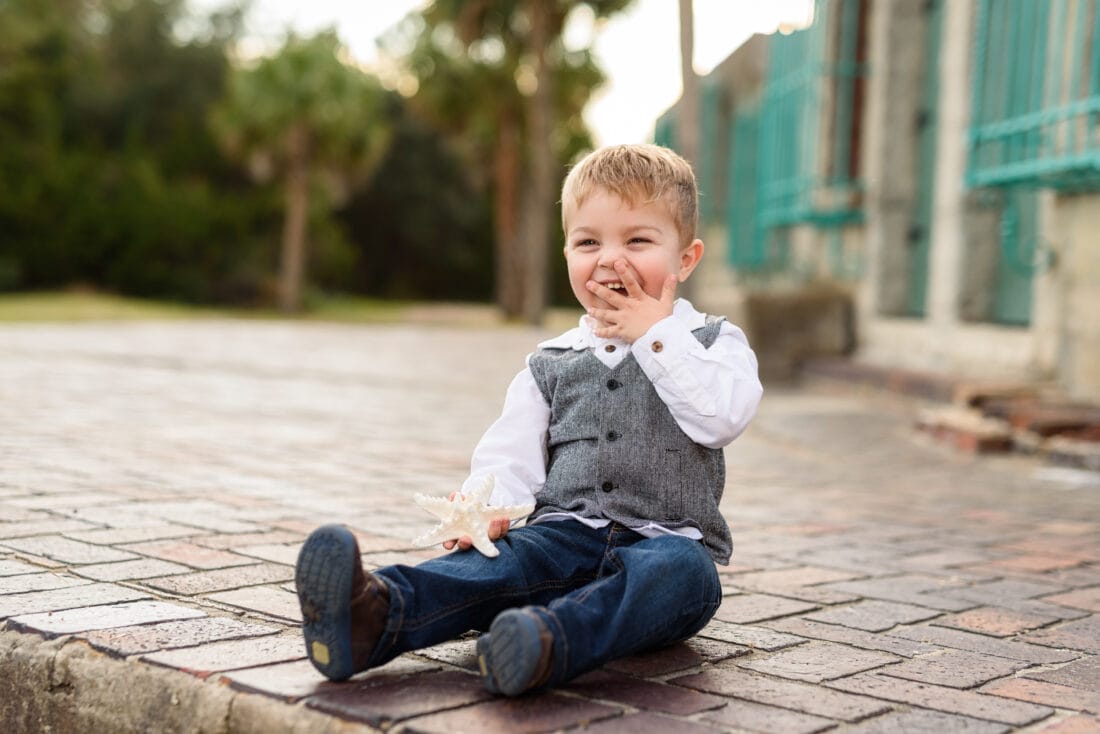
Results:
660 335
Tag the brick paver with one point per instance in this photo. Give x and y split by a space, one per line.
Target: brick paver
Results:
1049 694
748 716
955 668
124 641
941 698
873 616
1080 634
647 695
1083 673
156 481
994 621
750 686
818 661
1075 724
230 655
923 721
110 616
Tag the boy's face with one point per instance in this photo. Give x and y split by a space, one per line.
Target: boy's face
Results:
605 229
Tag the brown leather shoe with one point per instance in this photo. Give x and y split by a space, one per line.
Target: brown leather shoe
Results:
344 609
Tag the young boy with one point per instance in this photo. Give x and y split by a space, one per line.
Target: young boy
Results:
614 430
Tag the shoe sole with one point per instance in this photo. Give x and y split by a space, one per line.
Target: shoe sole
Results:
511 652
323 576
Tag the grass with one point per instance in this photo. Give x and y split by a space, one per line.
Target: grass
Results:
89 305
348 309
81 305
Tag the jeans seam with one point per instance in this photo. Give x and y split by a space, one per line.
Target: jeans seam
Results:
609 548
499 593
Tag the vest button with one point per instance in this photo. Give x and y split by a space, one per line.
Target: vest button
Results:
607 486
613 435
613 384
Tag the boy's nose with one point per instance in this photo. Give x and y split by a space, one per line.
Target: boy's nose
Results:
609 256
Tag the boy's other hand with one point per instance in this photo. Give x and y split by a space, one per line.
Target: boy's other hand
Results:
635 313
497 529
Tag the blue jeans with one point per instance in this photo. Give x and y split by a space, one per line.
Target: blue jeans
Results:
603 593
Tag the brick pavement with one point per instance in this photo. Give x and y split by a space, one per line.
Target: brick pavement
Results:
157 479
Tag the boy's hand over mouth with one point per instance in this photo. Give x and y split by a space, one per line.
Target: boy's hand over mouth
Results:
631 315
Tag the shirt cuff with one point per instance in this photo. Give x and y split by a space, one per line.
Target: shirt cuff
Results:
660 348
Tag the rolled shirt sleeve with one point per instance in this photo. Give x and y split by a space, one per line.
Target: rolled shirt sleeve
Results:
712 393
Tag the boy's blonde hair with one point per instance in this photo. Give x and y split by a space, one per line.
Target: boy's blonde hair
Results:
639 173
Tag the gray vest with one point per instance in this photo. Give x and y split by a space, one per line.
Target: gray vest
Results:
616 452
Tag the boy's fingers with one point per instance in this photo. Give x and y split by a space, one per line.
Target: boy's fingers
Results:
604 316
609 296
668 292
498 529
629 278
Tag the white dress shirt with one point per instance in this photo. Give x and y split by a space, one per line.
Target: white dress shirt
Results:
711 393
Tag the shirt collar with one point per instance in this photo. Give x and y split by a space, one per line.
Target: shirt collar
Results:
582 337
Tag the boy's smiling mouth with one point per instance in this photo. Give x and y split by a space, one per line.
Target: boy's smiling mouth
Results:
615 285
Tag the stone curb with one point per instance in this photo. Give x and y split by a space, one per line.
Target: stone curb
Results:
64 685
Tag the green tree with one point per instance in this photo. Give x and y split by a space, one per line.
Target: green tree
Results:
313 121
108 174
496 76
420 227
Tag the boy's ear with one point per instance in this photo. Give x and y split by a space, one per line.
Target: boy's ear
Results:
689 258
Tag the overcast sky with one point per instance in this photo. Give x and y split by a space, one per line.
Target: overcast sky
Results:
638 49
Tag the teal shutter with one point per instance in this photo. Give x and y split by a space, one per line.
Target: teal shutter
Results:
1036 95
795 186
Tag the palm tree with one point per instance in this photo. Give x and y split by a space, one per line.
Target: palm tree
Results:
495 75
306 117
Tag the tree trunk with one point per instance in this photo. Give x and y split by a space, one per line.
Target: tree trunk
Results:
506 217
687 126
292 265
539 194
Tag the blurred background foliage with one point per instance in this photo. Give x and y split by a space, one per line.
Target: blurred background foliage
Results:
140 155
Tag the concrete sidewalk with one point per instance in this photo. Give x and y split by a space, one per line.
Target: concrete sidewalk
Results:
156 481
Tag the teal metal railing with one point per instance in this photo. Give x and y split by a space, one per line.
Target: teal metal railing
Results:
747 249
1036 95
919 234
792 157
806 174
711 148
1034 111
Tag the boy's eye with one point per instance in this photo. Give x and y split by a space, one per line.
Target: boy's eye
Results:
639 241
585 243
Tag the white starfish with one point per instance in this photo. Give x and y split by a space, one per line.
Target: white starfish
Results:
467 515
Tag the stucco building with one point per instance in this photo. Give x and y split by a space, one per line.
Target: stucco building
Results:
914 181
